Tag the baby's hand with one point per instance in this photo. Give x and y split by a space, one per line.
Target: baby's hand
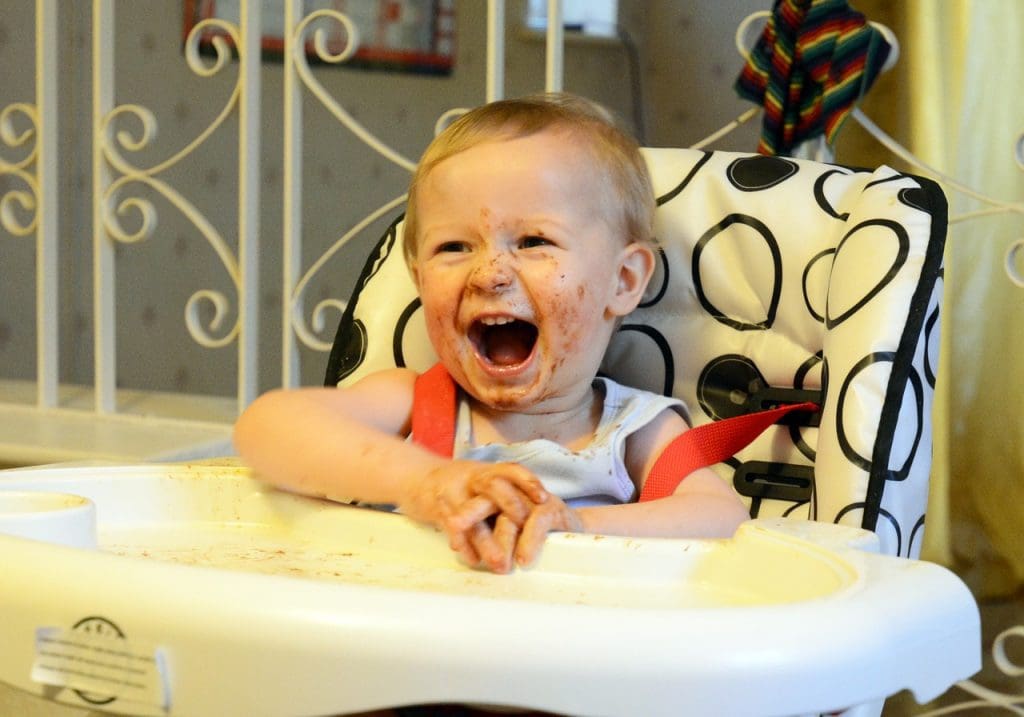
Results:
460 496
515 539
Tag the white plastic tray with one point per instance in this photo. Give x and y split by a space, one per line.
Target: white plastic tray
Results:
223 597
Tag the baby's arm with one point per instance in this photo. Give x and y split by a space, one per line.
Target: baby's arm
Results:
329 442
349 443
702 506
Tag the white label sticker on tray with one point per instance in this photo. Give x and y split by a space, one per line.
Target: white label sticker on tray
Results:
100 667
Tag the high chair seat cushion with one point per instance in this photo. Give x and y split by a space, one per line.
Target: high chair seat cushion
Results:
779 280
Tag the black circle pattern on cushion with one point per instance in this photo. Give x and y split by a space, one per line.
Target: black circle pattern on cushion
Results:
816 264
890 519
400 325
915 532
671 194
798 383
844 442
663 347
772 301
903 472
903 250
795 506
757 173
851 454
664 275
822 200
895 177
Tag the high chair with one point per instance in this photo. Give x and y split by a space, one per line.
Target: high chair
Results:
780 281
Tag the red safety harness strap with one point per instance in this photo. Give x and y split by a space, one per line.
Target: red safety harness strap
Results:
433 411
709 444
433 427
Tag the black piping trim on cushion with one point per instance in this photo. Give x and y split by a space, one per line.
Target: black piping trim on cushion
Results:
336 370
686 180
913 331
929 328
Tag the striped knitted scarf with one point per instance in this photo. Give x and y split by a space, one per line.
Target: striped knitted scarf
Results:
814 61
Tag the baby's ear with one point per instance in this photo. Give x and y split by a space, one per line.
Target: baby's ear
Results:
635 267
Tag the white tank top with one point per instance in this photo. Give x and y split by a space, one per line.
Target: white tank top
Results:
594 475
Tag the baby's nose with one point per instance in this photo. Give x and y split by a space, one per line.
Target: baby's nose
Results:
492 272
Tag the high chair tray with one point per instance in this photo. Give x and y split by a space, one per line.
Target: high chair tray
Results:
211 594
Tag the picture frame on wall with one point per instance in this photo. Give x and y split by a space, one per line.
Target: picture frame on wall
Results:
415 36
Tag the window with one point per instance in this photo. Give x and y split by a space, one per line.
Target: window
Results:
591 17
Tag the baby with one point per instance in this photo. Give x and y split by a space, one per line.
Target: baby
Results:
529 235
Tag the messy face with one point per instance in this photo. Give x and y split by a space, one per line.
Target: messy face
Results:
518 268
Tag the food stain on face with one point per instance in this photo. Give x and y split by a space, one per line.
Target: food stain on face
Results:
567 320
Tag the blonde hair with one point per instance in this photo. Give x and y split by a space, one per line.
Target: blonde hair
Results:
613 150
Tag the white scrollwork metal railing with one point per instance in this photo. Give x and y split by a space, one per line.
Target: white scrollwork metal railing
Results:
985 698
114 174
297 76
31 209
124 188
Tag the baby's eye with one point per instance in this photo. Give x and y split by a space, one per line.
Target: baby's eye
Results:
452 246
532 242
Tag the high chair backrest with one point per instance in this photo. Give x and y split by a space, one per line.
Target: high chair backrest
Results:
779 281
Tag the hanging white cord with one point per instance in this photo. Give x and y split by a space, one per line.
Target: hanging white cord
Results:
718 134
907 156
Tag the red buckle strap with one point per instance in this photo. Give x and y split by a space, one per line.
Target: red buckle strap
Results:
709 444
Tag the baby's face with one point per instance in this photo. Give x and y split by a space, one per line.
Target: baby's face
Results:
518 269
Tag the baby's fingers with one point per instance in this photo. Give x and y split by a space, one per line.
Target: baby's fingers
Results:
469 513
490 549
532 536
504 497
528 483
546 518
505 534
459 541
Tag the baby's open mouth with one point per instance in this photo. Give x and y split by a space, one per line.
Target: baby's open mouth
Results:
502 340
